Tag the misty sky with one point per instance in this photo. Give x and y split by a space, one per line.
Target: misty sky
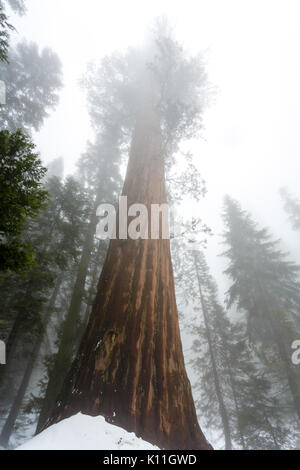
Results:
250 145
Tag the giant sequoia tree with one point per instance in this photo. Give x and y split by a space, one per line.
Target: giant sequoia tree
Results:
130 366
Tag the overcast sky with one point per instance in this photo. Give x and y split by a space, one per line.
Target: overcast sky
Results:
250 145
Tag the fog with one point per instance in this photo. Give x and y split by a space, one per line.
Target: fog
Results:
248 149
249 146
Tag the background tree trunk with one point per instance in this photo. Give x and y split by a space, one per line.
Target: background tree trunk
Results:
222 406
65 354
18 400
130 366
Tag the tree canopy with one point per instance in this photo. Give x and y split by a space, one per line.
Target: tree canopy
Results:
32 79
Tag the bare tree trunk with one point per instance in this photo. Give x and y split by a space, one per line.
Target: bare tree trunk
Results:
130 366
233 389
99 259
222 407
63 360
236 404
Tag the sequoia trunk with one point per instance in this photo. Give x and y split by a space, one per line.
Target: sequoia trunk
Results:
130 366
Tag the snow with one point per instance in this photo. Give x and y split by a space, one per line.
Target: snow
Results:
82 432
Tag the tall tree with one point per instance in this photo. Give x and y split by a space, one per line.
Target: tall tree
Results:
198 293
130 362
210 310
265 285
227 369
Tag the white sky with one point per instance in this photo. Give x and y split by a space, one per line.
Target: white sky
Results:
250 145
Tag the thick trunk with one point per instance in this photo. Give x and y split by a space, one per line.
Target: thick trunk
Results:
222 407
130 366
16 407
65 353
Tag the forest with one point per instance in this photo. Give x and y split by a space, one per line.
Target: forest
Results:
150 224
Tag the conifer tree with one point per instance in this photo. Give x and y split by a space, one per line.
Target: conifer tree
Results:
265 285
228 371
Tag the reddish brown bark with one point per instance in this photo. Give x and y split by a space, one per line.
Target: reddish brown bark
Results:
130 366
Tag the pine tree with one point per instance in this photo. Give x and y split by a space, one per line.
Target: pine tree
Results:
199 293
265 285
227 369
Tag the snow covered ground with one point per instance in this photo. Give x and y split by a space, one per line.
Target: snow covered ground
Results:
82 432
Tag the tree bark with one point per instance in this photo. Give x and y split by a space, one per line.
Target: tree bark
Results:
130 366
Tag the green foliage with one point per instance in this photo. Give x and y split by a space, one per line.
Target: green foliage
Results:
182 86
161 74
32 80
260 272
21 195
265 286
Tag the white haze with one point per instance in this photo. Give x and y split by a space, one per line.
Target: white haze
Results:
250 145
